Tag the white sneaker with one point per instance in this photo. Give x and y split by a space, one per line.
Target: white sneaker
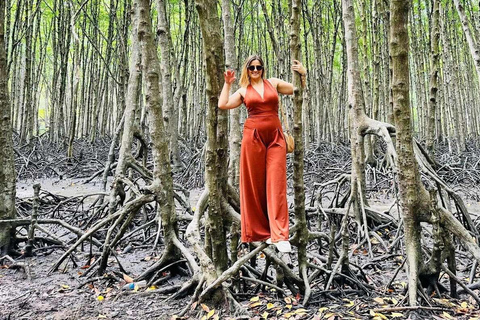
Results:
283 246
269 241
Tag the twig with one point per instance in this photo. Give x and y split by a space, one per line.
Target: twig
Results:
454 277
394 309
265 283
396 273
230 272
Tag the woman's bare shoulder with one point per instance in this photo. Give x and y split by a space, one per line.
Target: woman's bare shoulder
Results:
242 91
273 81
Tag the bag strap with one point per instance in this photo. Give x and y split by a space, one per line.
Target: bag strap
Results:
284 117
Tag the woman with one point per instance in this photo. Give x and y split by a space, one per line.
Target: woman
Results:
263 180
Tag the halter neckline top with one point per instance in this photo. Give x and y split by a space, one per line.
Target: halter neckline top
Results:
256 106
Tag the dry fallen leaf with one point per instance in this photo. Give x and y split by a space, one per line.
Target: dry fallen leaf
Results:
379 300
205 307
255 299
445 302
298 311
349 303
194 305
377 315
127 278
210 314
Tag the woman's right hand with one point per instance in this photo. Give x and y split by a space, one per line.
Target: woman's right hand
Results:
229 76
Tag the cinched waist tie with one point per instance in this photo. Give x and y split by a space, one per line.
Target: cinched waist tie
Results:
263 114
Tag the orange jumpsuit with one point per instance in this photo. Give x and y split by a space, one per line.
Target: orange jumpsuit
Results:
263 173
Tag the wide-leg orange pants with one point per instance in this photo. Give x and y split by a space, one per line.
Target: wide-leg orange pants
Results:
263 180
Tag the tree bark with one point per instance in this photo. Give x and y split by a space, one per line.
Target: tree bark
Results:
170 111
215 161
162 185
26 130
435 55
301 234
408 175
472 45
7 169
231 62
356 107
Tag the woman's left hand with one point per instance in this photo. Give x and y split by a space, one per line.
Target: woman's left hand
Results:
298 67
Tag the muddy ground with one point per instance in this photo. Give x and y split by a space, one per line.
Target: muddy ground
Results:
29 291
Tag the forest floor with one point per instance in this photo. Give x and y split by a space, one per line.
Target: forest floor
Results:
29 291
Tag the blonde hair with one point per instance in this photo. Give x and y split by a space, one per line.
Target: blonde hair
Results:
244 78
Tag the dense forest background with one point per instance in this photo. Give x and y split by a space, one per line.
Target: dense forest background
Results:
68 65
121 96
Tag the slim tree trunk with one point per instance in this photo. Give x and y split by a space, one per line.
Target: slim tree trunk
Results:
298 186
74 95
26 130
7 169
408 176
125 153
231 62
472 45
356 109
53 105
435 55
170 110
162 184
214 62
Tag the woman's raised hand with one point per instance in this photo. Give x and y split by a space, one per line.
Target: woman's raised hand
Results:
298 67
229 76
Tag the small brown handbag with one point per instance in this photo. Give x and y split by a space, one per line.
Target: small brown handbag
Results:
286 133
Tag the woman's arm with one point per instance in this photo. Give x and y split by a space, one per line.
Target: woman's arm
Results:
225 101
284 87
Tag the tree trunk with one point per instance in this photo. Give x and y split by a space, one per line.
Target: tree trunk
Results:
435 55
7 169
170 110
125 152
215 157
162 184
472 45
301 234
26 130
231 62
408 176
356 110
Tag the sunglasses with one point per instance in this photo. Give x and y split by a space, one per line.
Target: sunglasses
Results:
252 68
